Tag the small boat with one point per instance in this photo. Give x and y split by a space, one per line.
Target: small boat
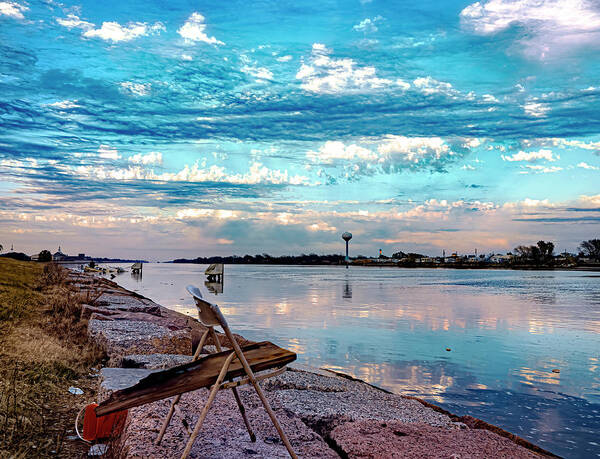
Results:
136 267
214 272
87 269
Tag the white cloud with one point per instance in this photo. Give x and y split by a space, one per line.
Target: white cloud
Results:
528 202
335 150
585 165
551 25
136 89
285 58
590 200
257 173
321 226
496 15
194 213
64 104
428 85
73 21
580 144
414 149
115 32
489 98
539 169
531 156
186 57
388 155
106 152
154 157
367 25
12 10
194 30
325 75
535 109
260 73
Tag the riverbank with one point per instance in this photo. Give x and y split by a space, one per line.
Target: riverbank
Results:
325 414
44 350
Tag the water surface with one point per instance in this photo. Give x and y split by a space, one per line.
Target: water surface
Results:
506 331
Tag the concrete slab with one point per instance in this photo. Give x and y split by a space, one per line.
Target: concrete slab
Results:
154 361
113 301
119 338
113 379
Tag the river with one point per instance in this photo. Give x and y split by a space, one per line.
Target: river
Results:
477 342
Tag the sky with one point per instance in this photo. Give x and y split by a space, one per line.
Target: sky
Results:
161 130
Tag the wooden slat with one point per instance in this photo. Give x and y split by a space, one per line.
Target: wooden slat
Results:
194 375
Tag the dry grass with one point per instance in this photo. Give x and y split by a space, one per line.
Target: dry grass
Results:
43 351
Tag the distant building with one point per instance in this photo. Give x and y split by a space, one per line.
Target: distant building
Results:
58 255
61 257
498 258
425 260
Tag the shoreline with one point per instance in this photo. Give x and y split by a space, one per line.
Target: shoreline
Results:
119 324
415 266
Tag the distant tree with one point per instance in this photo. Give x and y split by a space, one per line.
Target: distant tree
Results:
523 252
398 255
1 248
45 255
546 251
541 253
591 248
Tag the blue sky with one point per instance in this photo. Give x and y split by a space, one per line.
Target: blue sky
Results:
159 130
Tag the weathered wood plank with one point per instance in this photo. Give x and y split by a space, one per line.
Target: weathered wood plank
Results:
194 375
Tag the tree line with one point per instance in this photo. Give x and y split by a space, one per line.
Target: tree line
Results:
543 252
266 259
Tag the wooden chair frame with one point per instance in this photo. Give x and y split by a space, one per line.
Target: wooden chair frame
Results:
210 316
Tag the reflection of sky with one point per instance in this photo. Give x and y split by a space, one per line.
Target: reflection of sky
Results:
506 330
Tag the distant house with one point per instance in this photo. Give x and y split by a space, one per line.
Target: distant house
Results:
35 257
58 255
498 258
61 257
425 260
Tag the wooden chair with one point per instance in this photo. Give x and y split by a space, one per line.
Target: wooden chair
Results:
210 371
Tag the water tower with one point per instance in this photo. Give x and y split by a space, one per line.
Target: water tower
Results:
346 237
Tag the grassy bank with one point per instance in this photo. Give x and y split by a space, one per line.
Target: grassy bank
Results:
43 351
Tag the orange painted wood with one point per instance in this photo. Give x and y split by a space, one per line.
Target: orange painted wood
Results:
95 428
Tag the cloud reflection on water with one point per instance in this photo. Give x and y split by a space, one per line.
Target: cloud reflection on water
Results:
506 330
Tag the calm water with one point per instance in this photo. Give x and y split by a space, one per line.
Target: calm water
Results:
507 331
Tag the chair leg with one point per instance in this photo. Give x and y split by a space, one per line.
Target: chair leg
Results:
259 391
211 397
175 401
235 394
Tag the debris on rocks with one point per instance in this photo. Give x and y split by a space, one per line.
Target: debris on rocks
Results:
98 450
